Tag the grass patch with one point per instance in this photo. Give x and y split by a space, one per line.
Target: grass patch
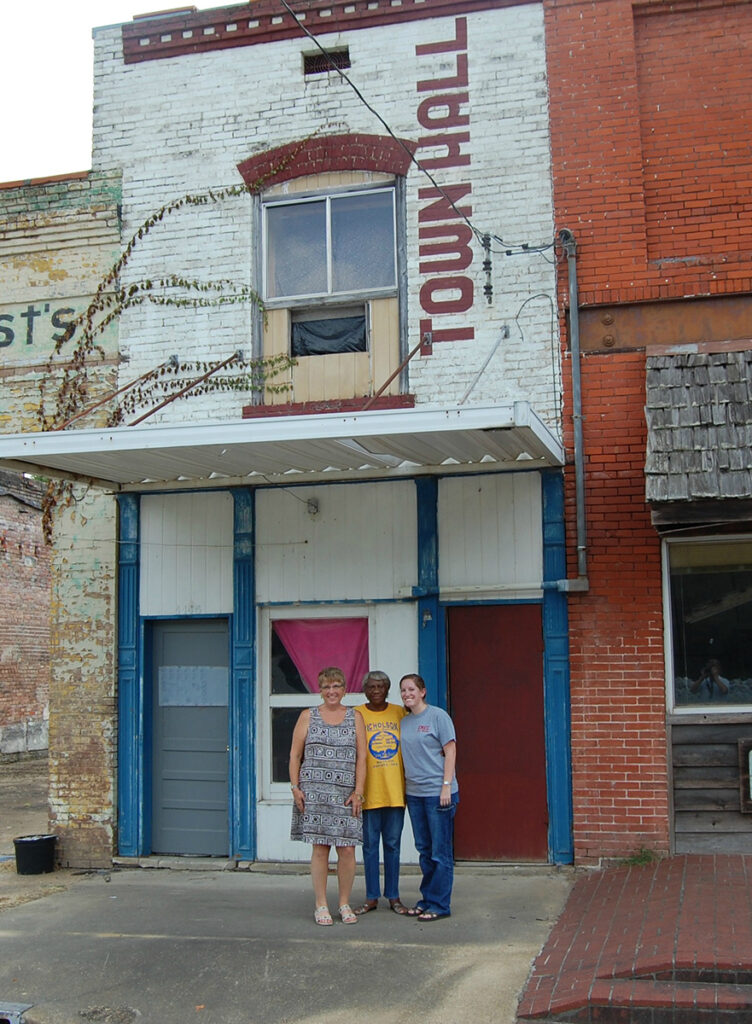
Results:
641 857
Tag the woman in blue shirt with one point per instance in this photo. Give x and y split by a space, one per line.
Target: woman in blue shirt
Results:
429 752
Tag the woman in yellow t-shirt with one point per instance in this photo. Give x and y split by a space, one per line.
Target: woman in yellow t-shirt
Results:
384 799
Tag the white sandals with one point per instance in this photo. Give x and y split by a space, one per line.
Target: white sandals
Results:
347 914
321 915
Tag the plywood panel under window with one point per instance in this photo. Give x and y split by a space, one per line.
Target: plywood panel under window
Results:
385 343
317 378
348 375
277 343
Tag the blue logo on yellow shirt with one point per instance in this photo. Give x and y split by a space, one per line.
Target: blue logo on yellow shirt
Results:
383 745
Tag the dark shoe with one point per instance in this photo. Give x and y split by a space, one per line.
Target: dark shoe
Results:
431 915
366 908
398 907
414 911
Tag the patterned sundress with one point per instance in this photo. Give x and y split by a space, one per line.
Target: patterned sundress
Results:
327 778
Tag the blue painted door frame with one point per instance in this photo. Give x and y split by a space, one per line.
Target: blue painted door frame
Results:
134 781
133 721
432 645
243 723
556 695
130 684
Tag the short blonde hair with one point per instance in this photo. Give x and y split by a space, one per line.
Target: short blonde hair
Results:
331 675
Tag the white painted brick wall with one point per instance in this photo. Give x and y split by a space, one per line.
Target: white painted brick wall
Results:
183 124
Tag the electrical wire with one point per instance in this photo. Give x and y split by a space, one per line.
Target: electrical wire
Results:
509 248
554 382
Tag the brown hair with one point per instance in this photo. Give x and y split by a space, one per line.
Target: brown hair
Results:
418 680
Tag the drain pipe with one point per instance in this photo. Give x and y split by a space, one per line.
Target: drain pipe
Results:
581 583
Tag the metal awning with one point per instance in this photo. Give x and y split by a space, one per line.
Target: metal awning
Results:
281 448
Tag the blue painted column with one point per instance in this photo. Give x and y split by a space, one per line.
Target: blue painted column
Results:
243 691
130 684
431 656
557 711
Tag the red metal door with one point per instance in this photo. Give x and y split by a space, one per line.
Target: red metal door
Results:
495 664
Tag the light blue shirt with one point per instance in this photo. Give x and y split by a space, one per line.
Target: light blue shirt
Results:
423 737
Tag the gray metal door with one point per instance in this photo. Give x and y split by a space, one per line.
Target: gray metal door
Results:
190 737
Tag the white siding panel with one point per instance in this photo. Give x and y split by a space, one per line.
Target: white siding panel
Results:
360 544
186 554
490 534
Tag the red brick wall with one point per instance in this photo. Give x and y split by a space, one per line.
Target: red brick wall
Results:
651 108
619 771
651 135
696 135
24 625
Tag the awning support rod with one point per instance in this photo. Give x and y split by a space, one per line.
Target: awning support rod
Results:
172 361
220 366
389 379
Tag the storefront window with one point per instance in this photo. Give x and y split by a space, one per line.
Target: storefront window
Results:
711 623
300 648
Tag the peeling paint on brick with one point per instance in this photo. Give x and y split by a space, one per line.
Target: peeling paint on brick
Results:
59 239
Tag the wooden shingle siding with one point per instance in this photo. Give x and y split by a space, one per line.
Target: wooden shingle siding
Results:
707 815
699 416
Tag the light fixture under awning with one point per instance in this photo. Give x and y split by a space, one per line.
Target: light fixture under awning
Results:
385 443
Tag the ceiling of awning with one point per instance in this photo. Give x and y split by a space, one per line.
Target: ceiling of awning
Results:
385 443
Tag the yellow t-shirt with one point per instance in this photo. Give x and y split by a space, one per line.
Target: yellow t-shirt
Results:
385 776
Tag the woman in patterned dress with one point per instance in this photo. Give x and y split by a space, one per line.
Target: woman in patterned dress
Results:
327 775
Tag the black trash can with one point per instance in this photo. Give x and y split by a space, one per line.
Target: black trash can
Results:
35 855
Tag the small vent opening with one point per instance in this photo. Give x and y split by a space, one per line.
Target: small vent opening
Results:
319 63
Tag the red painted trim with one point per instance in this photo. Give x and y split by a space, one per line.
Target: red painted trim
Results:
320 153
23 182
266 20
331 405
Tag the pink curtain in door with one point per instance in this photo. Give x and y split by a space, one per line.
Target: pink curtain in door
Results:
314 644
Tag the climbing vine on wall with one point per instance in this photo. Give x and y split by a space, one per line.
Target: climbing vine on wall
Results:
67 391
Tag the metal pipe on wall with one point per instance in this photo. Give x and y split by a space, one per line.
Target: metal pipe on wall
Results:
569 244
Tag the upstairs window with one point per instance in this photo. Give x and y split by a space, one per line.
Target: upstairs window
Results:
330 247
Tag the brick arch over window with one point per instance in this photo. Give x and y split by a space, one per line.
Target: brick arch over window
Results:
322 153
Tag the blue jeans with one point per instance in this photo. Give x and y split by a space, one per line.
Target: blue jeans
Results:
382 825
433 833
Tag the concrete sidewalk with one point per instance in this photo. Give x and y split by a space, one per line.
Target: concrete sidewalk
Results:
242 948
170 946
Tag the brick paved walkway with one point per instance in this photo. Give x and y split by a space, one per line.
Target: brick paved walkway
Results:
658 944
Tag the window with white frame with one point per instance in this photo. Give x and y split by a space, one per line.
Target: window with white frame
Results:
298 649
710 622
330 246
330 286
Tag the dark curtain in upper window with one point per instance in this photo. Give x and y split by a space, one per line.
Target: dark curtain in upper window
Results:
327 337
